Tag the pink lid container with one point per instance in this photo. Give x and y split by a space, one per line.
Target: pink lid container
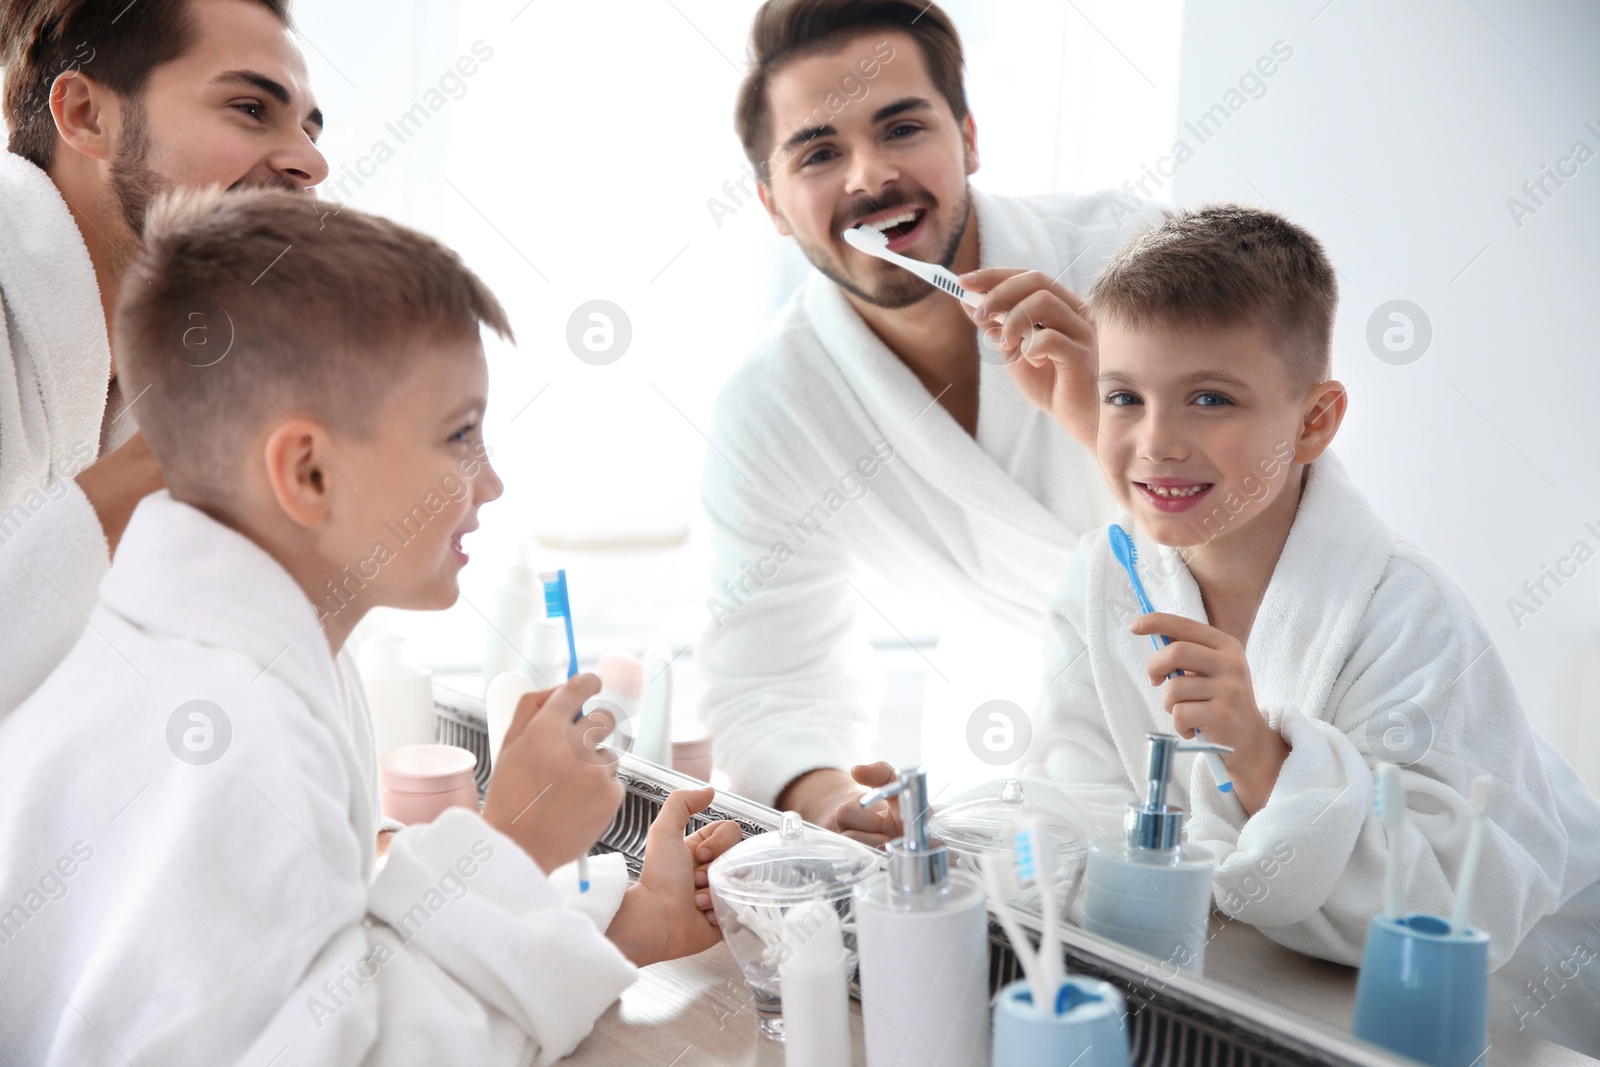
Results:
418 782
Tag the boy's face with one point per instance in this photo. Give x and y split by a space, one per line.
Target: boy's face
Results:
863 135
1198 430
236 109
408 493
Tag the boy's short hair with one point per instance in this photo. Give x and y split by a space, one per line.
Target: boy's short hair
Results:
261 302
115 42
786 30
1227 265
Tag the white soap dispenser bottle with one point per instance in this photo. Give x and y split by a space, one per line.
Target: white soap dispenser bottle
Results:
1153 892
922 933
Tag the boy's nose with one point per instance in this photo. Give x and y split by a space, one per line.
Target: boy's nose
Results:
487 486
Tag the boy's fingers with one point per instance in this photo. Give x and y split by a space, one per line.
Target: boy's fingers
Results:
709 842
566 700
527 708
675 812
1176 627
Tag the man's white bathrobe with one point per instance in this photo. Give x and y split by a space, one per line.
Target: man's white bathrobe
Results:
162 909
55 364
1363 649
987 523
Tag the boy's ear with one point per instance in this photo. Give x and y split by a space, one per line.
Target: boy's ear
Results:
1324 410
86 113
298 471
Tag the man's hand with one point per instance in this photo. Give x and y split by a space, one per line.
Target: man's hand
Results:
1047 337
553 791
831 799
668 913
117 481
1214 694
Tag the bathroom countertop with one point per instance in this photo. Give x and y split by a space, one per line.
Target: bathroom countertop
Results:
698 1011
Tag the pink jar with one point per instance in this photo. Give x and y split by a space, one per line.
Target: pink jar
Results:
418 782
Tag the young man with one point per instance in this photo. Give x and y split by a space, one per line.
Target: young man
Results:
1306 636
141 922
108 103
871 384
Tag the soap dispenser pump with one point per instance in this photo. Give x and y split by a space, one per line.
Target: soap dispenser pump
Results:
922 932
1153 892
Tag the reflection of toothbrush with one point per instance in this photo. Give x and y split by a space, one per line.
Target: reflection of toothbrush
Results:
876 243
1479 794
557 606
1389 804
1035 863
1127 554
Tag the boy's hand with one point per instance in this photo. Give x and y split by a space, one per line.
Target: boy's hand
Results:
668 913
1214 694
1045 332
552 791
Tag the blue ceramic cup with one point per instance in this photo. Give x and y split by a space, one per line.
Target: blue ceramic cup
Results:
1089 1031
1423 990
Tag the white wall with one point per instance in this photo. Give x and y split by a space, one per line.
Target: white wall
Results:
1397 133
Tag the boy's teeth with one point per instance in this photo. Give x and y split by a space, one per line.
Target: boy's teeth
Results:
899 220
1173 491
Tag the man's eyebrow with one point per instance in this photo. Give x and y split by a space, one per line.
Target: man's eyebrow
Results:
888 111
272 88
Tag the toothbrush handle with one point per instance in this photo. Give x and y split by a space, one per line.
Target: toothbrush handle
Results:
1469 869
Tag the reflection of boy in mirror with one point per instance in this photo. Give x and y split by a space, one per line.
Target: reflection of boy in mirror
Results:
107 104
853 114
1306 635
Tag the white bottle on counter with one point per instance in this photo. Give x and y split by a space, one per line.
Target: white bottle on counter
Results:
1153 893
922 932
399 694
519 602
814 976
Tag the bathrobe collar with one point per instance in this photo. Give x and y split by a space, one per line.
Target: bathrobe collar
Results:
180 573
923 434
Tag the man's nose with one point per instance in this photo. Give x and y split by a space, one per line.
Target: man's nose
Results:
299 163
870 172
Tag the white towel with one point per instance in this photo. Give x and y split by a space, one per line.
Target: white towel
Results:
984 526
1363 648
228 912
52 402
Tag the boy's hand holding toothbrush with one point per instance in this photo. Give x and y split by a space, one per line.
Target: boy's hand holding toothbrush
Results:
1047 336
1214 694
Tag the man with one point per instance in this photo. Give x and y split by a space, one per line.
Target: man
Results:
869 427
107 104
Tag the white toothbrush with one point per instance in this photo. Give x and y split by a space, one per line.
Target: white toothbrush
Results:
1389 803
999 877
1479 794
1035 861
876 243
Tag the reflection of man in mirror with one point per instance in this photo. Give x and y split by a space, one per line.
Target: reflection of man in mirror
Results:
873 425
107 104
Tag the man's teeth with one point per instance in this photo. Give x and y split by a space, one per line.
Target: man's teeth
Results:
1175 492
898 220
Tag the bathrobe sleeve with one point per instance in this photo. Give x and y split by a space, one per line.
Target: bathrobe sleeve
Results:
784 685
53 554
1423 688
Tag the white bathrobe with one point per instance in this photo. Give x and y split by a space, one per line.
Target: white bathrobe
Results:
985 525
53 383
228 912
1363 649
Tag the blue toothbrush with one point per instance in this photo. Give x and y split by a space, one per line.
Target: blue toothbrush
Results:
1127 554
557 606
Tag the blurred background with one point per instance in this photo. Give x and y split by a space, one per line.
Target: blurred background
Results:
589 155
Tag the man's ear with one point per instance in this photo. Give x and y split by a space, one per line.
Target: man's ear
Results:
1324 409
764 193
298 471
87 114
969 138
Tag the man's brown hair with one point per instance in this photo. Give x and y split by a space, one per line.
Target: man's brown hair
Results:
258 303
1227 265
115 42
786 30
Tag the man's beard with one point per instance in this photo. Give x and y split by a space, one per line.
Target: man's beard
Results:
133 183
897 288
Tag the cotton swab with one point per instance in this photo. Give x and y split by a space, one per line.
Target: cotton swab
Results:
1480 793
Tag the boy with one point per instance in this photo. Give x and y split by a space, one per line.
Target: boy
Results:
1309 638
186 827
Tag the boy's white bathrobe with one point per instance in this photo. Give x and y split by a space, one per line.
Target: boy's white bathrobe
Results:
987 523
55 365
154 910
1363 649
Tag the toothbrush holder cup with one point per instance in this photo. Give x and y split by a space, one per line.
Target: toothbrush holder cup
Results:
1090 1031
1423 990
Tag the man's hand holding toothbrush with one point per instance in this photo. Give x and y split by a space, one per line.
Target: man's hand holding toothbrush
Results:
1214 694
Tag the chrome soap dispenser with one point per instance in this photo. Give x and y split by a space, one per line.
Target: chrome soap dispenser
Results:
922 932
1153 893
